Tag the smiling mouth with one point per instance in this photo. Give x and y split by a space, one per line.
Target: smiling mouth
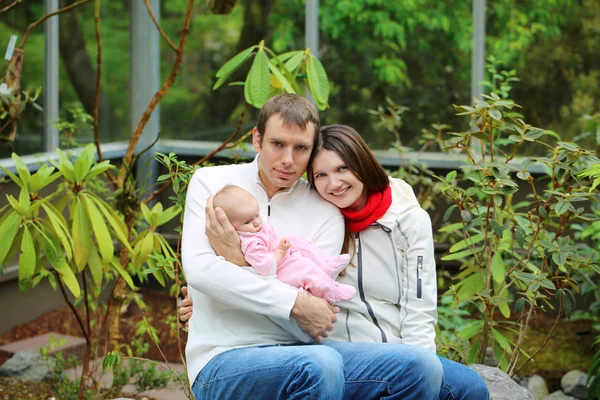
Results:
284 173
341 192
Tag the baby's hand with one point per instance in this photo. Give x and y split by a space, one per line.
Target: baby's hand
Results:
284 245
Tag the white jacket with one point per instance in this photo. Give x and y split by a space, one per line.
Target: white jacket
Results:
232 306
394 273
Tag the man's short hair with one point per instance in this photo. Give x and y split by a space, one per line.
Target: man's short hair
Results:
294 109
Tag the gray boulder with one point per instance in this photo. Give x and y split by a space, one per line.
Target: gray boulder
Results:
500 385
536 385
559 395
26 365
573 383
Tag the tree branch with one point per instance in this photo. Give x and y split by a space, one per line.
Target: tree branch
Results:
44 18
5 9
160 94
162 32
72 307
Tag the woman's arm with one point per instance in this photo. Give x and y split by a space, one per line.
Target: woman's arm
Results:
418 327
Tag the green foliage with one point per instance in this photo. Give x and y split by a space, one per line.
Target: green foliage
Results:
278 74
524 246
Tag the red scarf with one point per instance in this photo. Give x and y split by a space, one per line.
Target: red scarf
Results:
377 204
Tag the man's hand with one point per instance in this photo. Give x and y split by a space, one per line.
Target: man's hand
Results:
222 236
185 308
314 316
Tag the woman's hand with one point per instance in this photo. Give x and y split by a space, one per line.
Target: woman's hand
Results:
222 236
186 307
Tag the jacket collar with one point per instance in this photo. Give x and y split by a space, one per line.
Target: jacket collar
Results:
258 181
403 200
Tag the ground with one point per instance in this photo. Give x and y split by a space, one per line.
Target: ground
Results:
568 348
160 307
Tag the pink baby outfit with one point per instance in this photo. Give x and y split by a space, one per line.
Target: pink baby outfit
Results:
303 266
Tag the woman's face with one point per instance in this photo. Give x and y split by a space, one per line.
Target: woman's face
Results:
336 183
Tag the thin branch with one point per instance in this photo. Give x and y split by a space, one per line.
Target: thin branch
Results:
87 303
5 9
45 17
162 32
98 77
71 306
166 86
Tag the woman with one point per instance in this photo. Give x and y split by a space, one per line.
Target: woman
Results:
393 266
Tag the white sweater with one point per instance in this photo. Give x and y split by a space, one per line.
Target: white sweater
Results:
232 306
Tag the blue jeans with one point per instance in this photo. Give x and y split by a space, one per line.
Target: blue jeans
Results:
461 383
332 371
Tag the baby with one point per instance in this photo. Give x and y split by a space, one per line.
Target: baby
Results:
295 261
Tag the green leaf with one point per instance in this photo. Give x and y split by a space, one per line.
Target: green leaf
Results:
80 169
58 262
16 205
519 305
470 330
258 84
103 238
498 268
117 225
504 309
168 215
27 261
568 302
281 78
466 215
232 65
460 254
469 286
65 166
81 234
115 264
98 169
562 207
8 230
24 199
95 266
501 339
156 272
450 176
317 81
559 257
294 62
495 114
60 229
22 169
13 177
469 241
449 212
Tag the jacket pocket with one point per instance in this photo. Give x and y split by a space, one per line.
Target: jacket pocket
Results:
419 276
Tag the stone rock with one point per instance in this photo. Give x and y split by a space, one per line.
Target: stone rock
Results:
26 365
559 395
573 383
537 386
500 385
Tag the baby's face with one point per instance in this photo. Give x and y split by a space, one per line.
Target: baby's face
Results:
246 217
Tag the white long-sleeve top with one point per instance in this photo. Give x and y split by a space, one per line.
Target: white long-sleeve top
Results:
233 307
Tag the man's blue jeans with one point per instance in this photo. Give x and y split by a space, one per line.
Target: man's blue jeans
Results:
332 371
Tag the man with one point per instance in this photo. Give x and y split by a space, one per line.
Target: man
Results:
235 349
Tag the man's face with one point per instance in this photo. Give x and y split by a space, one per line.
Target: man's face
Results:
284 153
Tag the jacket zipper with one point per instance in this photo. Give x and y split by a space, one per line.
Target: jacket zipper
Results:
419 276
361 290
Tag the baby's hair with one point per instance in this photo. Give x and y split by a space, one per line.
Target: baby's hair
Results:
225 190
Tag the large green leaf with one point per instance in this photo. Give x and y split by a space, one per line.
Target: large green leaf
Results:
115 264
22 169
317 81
469 286
13 177
232 65
99 168
60 229
156 271
81 234
281 78
498 268
294 62
8 230
258 82
65 166
117 225
16 205
470 330
146 213
27 261
469 241
95 266
58 262
168 215
103 238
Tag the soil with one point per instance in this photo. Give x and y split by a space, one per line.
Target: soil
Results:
161 308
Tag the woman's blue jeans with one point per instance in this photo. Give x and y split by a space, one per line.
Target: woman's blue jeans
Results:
333 371
461 383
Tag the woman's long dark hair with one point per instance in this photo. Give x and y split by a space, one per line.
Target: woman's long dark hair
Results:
358 157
